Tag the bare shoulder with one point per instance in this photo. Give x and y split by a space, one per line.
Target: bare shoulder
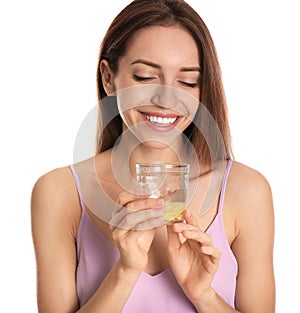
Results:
250 196
57 180
247 182
55 195
55 185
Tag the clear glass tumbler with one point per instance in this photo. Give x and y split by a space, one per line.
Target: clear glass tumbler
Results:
167 181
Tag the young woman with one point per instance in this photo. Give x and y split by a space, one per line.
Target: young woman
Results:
106 249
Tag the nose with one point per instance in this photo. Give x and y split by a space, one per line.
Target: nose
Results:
165 97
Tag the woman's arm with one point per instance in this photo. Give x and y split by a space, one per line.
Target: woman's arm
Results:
249 193
55 217
55 213
253 246
248 196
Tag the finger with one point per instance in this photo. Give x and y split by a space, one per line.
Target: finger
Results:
174 242
212 259
134 218
118 234
189 218
123 236
117 216
191 231
151 223
180 227
142 204
213 252
120 216
198 236
194 233
127 197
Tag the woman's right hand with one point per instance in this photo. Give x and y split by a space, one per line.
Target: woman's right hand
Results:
133 226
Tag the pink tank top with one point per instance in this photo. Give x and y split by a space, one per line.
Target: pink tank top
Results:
159 293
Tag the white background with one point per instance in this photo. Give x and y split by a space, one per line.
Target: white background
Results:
48 62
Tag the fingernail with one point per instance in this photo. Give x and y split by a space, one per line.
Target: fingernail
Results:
187 213
177 227
159 202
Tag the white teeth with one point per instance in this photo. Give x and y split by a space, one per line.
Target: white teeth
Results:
160 120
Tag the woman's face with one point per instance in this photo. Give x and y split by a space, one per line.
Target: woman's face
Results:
157 83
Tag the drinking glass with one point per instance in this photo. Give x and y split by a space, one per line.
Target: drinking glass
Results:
167 181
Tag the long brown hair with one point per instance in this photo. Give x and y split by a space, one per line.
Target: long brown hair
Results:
145 13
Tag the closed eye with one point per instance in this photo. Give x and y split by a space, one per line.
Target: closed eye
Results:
142 78
190 85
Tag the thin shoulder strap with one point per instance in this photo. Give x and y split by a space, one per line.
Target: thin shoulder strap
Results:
223 188
78 186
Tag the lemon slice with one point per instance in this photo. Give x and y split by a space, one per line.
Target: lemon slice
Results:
173 211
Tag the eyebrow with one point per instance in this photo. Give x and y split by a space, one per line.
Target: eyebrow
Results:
182 69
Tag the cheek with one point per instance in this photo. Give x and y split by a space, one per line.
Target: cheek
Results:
123 80
118 84
188 122
129 118
196 93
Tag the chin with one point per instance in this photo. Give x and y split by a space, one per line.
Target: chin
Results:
155 144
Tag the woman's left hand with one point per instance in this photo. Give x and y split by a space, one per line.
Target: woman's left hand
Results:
195 261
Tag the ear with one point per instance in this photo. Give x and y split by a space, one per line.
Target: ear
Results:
107 77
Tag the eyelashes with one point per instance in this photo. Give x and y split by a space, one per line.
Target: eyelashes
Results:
143 79
190 85
152 79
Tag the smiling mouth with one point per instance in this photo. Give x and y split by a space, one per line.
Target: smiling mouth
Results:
160 120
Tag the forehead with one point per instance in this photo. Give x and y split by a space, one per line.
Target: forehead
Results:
163 45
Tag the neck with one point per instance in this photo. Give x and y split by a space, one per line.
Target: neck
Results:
130 151
148 154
